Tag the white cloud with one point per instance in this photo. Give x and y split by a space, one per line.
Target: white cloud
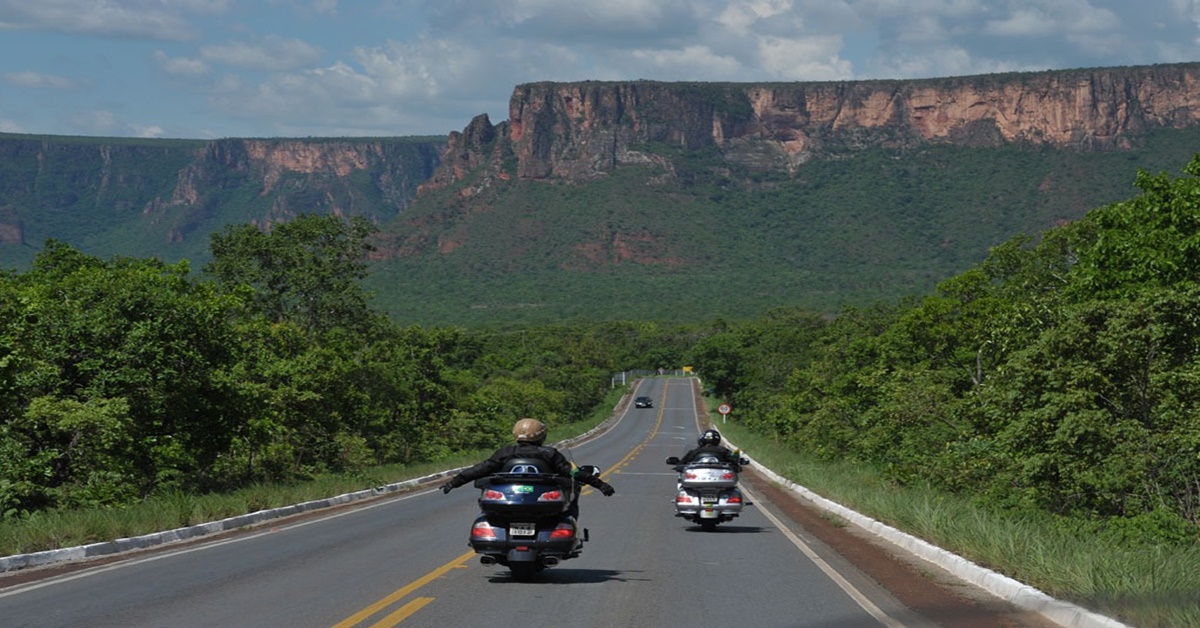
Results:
139 19
99 122
180 66
685 63
8 126
1053 19
803 59
270 53
37 79
147 131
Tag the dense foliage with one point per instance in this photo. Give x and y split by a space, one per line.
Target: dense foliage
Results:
1061 376
126 378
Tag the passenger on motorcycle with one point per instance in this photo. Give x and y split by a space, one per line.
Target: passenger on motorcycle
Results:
529 435
710 444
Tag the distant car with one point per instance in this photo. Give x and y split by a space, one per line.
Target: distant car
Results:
643 402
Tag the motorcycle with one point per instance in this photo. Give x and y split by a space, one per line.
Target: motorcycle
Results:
525 521
707 491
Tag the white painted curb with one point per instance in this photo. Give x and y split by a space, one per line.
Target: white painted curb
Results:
68 554
37 559
1021 595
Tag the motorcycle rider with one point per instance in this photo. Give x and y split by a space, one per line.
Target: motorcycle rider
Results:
709 443
529 435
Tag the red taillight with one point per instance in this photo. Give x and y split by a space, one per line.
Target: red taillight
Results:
563 531
550 496
734 499
493 495
684 498
690 475
726 476
483 531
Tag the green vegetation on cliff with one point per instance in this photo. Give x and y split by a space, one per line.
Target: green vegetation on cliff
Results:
163 198
712 240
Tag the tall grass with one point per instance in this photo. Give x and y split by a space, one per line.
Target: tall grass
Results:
58 529
1143 585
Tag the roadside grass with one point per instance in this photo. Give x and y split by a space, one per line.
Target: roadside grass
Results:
1145 586
59 529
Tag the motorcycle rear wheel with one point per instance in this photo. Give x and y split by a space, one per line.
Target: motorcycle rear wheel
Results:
524 572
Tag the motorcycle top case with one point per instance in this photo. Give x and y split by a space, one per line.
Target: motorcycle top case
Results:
708 476
524 494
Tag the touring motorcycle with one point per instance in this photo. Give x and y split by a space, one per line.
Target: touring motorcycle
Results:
707 492
526 520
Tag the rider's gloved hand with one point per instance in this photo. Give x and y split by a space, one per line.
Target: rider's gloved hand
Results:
608 490
447 487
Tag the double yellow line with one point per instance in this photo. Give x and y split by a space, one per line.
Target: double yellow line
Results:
416 604
413 606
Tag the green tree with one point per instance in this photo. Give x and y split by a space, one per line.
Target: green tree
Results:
142 332
306 271
1150 241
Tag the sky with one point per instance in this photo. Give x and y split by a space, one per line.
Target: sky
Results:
346 68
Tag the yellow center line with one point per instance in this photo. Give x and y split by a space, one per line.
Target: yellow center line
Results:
403 612
633 452
417 604
354 619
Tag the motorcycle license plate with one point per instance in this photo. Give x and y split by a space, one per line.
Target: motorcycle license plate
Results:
522 529
709 500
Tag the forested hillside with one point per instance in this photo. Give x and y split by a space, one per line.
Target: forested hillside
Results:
1060 375
699 238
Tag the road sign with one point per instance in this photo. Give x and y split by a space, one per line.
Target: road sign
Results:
724 408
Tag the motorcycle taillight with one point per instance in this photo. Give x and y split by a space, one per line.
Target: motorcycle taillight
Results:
684 498
482 531
733 499
550 496
563 531
493 495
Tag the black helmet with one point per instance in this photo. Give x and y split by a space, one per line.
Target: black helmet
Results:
710 437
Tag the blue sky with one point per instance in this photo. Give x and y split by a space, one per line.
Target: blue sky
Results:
326 68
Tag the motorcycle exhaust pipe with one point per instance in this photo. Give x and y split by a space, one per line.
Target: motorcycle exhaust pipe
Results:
487 560
549 561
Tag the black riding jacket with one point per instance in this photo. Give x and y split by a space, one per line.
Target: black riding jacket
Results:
556 462
720 451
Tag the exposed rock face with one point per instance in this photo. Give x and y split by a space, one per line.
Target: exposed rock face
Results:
584 130
179 191
11 231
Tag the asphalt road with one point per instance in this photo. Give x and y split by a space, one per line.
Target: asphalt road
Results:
404 561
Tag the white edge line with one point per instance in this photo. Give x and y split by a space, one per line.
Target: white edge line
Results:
1015 592
838 579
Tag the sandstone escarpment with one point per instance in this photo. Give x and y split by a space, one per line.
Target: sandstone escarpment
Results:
585 130
176 192
304 176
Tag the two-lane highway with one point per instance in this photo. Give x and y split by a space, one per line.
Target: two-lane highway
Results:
404 561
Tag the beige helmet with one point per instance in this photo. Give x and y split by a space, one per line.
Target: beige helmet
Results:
530 431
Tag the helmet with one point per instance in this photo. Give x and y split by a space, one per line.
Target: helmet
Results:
710 437
530 431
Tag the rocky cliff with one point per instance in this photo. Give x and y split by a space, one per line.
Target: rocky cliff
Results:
585 130
96 193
